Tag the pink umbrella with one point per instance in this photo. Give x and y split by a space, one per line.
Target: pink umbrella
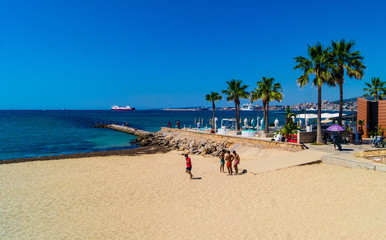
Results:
335 128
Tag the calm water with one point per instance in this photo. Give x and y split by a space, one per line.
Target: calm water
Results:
41 133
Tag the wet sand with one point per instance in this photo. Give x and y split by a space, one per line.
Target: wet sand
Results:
149 196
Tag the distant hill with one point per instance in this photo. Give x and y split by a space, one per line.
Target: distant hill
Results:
354 99
346 100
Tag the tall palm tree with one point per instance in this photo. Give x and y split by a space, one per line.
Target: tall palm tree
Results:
376 89
235 92
267 91
213 97
318 65
343 60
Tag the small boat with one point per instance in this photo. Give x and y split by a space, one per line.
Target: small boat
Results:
119 108
247 107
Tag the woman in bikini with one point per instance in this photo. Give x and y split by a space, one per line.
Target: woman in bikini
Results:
237 161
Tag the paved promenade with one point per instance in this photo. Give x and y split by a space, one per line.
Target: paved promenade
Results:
347 158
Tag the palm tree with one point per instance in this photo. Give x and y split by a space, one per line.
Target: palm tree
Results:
289 115
345 60
267 91
376 88
213 97
235 91
318 65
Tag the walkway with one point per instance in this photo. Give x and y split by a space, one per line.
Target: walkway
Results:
346 158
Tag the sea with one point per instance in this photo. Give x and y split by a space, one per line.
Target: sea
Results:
35 133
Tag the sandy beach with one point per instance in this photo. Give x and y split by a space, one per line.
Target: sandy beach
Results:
149 196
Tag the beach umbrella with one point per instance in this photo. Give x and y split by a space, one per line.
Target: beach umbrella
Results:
262 124
335 128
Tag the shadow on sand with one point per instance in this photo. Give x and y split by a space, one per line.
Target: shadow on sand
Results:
240 173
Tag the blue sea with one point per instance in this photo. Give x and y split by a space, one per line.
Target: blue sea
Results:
25 134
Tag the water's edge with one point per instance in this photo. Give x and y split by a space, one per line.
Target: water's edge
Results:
126 152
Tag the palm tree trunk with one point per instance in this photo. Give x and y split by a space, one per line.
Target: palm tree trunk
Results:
340 103
266 130
213 106
237 117
264 110
319 123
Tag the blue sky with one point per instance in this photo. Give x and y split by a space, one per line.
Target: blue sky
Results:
154 54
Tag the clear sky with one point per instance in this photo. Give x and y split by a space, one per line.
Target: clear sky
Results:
153 54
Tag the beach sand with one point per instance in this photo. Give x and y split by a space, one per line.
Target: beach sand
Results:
151 197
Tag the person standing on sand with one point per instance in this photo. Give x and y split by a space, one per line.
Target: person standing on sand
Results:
178 124
169 125
188 166
229 159
236 157
222 161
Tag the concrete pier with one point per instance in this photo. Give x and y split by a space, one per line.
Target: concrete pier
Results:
129 130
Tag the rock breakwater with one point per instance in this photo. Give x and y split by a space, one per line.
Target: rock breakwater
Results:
209 144
182 142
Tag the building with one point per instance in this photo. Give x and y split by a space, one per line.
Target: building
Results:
373 113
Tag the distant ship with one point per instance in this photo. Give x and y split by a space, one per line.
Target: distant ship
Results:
247 107
119 108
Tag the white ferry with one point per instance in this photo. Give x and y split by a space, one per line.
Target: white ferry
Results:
247 107
119 108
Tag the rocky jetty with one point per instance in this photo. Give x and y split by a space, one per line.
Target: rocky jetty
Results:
205 143
188 144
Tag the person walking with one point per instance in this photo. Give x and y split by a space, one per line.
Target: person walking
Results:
229 159
188 166
335 138
236 157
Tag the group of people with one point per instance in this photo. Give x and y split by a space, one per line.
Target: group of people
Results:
225 156
178 125
228 157
356 137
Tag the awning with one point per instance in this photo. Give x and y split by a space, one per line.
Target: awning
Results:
324 115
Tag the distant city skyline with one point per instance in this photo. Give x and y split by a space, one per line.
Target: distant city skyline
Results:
159 54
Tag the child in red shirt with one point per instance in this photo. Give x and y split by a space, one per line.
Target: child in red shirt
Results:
188 166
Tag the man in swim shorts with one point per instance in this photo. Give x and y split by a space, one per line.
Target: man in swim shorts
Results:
188 166
229 159
236 157
222 161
